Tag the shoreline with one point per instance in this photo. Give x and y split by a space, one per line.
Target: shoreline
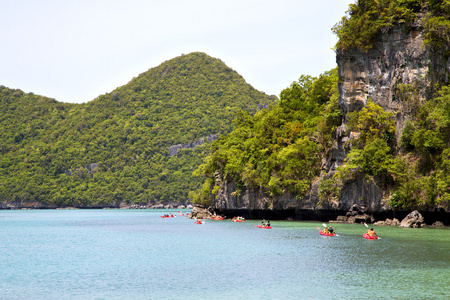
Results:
321 215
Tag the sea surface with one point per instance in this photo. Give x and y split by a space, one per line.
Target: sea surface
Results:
136 254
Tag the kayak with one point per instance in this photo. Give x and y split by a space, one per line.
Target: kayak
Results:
234 220
165 217
198 222
217 218
265 227
370 237
327 233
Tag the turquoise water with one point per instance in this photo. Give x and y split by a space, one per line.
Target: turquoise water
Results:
135 254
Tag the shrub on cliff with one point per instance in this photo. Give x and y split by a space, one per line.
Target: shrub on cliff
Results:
427 139
371 149
366 19
279 149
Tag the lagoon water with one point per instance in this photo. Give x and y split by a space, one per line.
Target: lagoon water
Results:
136 254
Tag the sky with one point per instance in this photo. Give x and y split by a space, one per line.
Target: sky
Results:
75 51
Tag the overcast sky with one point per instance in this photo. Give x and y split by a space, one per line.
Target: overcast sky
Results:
74 51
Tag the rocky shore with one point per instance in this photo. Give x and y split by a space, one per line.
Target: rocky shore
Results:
357 214
360 214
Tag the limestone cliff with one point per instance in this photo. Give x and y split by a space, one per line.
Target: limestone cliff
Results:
253 198
399 59
399 64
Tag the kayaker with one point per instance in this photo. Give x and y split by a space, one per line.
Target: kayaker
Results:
263 223
371 232
330 229
268 224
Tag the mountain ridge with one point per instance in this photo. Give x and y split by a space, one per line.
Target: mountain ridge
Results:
126 132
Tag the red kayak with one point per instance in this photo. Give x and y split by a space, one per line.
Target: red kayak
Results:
265 227
198 222
370 237
327 233
165 217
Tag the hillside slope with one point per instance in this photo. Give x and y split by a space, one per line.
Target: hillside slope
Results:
115 149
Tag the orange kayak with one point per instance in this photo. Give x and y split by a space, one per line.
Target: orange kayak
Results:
264 227
370 237
327 233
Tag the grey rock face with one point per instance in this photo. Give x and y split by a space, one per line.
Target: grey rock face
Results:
413 220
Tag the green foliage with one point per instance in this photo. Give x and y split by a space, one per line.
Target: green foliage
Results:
372 153
432 127
437 31
437 24
406 138
408 95
372 123
280 149
374 159
330 188
48 147
427 140
202 196
366 19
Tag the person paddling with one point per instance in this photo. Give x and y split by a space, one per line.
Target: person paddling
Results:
371 232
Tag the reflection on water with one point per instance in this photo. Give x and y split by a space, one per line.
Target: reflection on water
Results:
135 254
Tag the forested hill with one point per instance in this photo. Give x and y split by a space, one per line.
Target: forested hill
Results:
114 149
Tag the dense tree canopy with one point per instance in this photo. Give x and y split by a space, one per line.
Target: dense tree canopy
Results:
366 19
115 148
278 149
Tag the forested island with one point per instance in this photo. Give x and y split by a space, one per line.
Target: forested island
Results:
373 132
137 145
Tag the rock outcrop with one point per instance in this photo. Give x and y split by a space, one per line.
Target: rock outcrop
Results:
173 150
388 222
398 74
200 212
413 220
356 214
399 57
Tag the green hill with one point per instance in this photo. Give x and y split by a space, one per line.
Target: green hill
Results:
115 148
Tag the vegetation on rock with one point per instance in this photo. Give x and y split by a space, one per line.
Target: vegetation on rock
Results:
279 149
366 19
